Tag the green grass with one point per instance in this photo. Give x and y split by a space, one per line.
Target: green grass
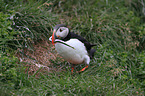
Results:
116 27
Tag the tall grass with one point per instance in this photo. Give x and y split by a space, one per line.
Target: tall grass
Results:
117 67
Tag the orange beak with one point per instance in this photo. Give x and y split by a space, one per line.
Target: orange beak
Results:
53 37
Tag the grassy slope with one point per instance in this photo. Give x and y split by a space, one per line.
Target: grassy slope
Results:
110 25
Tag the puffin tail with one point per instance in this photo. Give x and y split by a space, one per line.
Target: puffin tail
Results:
91 53
93 45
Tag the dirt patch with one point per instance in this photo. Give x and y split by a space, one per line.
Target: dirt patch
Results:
40 57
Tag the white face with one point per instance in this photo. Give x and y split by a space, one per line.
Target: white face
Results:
62 32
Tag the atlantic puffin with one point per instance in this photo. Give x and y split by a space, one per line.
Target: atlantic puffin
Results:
72 47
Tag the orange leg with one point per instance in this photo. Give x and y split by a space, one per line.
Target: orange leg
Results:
72 67
72 70
83 69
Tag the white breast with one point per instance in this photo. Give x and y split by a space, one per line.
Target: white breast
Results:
77 55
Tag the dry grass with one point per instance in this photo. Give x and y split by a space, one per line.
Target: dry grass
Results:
40 57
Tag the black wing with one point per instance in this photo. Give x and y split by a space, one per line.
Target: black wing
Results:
73 35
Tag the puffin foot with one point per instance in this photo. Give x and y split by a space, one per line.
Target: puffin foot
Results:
83 69
72 70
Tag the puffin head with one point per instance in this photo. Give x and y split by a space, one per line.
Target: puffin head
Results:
60 31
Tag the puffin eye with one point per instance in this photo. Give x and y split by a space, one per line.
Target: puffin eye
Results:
60 30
